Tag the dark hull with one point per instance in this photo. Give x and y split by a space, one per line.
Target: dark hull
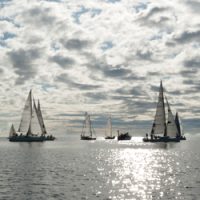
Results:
110 137
26 139
161 139
87 138
49 138
182 138
123 136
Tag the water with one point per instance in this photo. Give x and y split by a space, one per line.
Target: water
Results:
72 169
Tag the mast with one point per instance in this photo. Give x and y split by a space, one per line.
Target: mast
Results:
159 124
26 115
172 130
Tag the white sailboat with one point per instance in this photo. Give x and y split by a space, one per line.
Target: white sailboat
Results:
109 129
163 131
87 130
30 128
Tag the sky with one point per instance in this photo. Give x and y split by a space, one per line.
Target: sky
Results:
100 56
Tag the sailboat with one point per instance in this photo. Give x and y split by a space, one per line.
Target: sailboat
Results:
162 130
179 127
109 129
87 130
30 129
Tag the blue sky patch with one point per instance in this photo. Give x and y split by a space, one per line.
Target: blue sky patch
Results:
107 45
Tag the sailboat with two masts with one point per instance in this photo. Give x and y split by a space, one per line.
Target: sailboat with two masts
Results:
163 130
87 130
31 128
109 129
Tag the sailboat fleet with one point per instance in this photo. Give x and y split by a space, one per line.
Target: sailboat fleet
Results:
165 127
31 127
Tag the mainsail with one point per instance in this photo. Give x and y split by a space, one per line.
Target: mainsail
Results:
159 125
35 124
26 115
12 131
87 129
39 112
172 130
109 127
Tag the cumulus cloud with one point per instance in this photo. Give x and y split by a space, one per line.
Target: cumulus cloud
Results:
100 56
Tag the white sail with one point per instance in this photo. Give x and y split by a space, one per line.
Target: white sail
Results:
87 129
178 124
35 124
12 131
109 127
172 130
39 112
159 125
26 115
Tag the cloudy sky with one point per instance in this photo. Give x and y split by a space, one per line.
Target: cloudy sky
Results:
100 56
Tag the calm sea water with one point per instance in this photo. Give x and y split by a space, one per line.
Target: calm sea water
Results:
72 169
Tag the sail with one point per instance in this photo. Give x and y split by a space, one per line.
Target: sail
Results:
35 124
159 125
109 127
172 130
178 124
87 131
12 131
39 112
26 115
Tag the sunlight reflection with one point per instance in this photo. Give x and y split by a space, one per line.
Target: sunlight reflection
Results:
140 173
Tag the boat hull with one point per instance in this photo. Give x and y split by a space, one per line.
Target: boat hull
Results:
26 139
182 138
49 138
161 139
123 136
87 138
110 137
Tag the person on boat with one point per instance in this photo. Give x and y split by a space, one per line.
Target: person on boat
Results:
147 135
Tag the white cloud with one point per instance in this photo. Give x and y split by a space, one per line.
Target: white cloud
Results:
99 56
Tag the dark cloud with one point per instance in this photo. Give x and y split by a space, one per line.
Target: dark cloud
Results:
23 63
75 44
64 62
188 36
116 71
39 16
194 5
97 96
144 55
64 78
192 63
